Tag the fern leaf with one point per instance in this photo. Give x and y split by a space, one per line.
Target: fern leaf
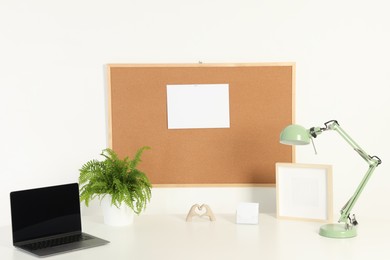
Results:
137 158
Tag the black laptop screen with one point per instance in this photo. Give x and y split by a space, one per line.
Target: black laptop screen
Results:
45 211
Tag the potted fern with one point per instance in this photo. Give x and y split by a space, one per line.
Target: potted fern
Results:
118 184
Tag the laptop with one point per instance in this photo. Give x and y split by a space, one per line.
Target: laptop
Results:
47 221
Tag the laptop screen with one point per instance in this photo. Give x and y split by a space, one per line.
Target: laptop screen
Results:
45 212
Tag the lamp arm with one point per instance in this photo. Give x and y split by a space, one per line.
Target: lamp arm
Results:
346 210
373 162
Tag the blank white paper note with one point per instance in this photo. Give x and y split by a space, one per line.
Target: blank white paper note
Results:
198 106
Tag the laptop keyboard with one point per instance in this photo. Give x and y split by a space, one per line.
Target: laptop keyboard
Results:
56 242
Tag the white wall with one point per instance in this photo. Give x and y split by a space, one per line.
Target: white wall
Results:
52 82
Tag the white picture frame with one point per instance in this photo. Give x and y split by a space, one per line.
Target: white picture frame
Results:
304 192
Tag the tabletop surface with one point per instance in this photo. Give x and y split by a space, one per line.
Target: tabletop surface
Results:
171 237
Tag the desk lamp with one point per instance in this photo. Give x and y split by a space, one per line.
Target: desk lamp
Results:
298 135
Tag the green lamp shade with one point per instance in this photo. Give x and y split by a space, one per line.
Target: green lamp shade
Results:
294 135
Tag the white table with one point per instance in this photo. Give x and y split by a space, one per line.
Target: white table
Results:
170 237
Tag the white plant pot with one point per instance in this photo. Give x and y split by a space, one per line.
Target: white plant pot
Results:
113 216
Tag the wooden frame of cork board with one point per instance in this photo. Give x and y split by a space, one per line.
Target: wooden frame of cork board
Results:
261 104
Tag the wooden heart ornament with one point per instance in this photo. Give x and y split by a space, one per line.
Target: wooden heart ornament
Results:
200 211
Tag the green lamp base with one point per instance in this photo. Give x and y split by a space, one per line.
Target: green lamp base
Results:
337 231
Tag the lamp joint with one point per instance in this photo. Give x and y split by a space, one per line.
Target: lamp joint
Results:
377 159
353 220
313 132
329 124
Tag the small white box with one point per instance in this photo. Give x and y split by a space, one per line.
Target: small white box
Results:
247 213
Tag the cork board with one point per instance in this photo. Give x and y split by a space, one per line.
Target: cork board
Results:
261 102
